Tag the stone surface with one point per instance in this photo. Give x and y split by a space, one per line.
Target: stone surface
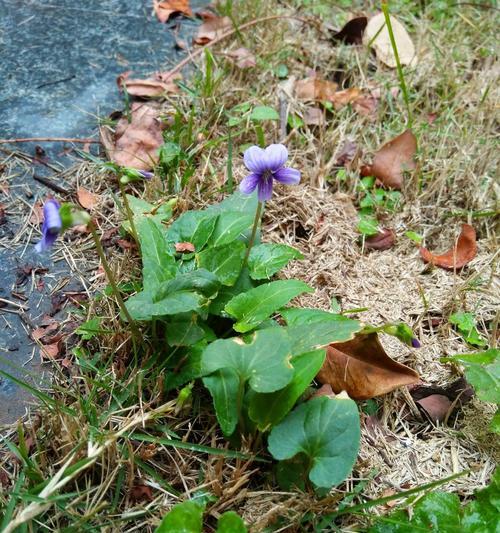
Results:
60 60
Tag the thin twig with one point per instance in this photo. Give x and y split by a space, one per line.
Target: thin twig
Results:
49 139
51 185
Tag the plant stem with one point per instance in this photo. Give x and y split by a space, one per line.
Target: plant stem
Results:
130 214
111 279
402 83
260 135
256 222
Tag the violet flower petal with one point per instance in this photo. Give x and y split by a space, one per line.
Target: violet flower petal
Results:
255 160
288 176
265 188
146 175
275 156
249 183
415 343
51 218
52 225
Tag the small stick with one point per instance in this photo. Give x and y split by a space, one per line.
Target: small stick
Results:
51 185
10 302
283 115
49 139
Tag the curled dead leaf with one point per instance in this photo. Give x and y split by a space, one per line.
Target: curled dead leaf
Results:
393 159
212 28
168 8
352 32
136 143
347 96
363 369
324 390
184 247
87 199
159 84
49 351
384 240
346 153
242 58
377 36
315 89
463 252
314 116
141 493
436 403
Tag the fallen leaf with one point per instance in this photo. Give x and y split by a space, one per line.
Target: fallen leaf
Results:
184 247
463 252
242 58
352 32
363 369
159 84
168 8
435 402
382 241
347 96
393 159
314 116
42 333
3 215
377 36
324 390
212 28
315 89
346 153
40 157
140 493
49 351
136 143
87 199
366 105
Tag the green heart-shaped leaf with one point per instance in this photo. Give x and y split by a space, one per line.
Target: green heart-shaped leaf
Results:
266 410
267 259
255 305
224 261
158 264
327 431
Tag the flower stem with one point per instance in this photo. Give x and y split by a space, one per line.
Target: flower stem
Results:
256 222
111 279
261 139
130 214
402 83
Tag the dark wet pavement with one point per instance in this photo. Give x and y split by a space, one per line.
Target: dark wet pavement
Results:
58 63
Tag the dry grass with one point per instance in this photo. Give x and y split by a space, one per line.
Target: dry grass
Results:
455 180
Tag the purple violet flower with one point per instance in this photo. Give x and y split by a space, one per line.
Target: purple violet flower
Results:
266 165
52 225
146 175
415 343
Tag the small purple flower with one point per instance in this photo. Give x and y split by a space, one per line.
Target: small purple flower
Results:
146 175
52 225
266 165
415 343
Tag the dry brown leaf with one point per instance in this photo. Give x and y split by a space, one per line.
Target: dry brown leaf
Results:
141 493
352 32
384 240
347 96
366 105
136 144
393 159
363 369
324 390
314 116
157 85
167 8
463 252
212 28
346 154
184 247
242 58
87 199
49 351
437 402
315 89
377 36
